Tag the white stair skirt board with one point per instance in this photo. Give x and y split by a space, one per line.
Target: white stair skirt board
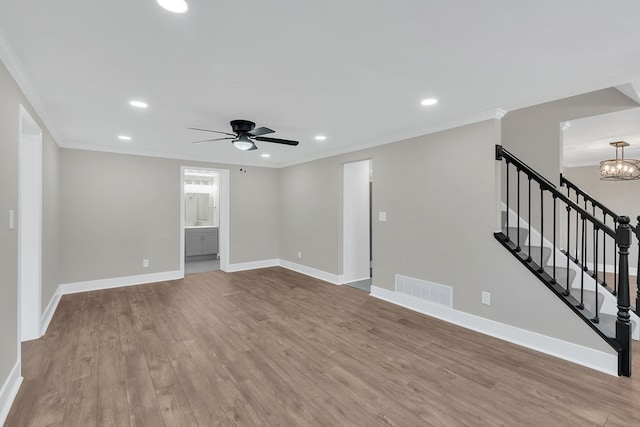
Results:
313 272
610 301
252 265
9 391
594 359
118 282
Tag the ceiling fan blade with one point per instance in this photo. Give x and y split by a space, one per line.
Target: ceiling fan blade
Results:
276 140
215 131
260 131
253 148
214 139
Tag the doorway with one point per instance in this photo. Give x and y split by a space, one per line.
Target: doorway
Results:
356 249
204 213
29 227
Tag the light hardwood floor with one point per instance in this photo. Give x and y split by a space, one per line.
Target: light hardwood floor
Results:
272 347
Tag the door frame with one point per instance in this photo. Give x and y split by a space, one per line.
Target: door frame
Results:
352 234
29 227
224 226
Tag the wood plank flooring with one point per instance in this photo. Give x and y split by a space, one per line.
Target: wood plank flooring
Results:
272 347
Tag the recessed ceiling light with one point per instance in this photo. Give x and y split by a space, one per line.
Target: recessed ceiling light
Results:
124 137
265 155
320 138
138 104
175 6
429 101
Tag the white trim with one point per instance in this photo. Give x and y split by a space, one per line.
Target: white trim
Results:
30 160
224 225
313 272
585 356
50 311
252 265
9 391
118 282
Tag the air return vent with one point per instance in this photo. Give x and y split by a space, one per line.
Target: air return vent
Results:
432 292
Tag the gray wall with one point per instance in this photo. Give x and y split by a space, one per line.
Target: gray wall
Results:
440 227
118 209
11 97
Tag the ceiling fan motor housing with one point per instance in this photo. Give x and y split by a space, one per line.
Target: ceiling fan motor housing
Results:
242 126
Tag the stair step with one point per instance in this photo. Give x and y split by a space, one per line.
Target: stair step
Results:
588 298
561 275
513 234
535 254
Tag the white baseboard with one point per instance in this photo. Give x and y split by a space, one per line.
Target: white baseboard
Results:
313 272
118 282
49 311
252 265
594 359
9 391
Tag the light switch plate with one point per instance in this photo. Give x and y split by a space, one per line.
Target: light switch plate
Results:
382 216
486 298
145 263
12 219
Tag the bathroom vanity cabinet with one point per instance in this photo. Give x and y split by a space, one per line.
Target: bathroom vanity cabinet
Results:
200 241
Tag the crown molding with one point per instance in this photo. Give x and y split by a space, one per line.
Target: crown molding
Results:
10 59
494 114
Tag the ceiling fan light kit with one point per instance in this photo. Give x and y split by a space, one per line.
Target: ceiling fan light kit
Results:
244 133
619 169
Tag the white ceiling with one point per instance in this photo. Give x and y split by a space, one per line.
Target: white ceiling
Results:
354 71
586 141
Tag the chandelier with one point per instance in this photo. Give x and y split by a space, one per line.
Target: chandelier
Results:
619 169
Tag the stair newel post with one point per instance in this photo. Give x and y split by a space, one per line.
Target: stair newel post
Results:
623 322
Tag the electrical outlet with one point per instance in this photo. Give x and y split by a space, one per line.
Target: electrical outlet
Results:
145 263
299 254
382 216
486 298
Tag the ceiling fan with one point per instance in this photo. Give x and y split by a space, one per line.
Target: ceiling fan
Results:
244 132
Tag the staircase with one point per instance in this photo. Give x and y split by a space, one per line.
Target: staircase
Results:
572 249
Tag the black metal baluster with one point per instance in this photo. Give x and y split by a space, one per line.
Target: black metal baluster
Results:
507 231
604 253
638 267
595 271
577 221
518 223
554 240
583 254
541 266
615 259
529 225
567 292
